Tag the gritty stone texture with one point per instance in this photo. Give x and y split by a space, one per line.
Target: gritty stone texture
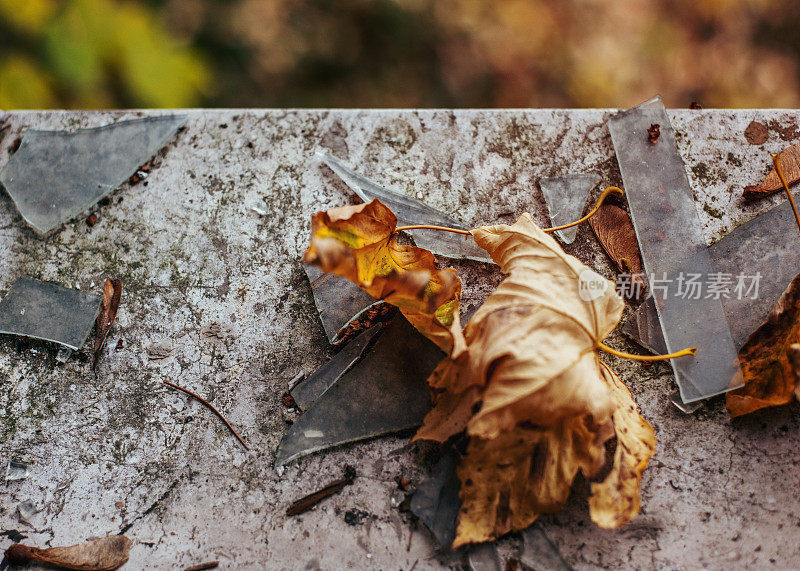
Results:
215 299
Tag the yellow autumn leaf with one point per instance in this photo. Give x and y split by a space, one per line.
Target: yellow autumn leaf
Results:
533 395
360 243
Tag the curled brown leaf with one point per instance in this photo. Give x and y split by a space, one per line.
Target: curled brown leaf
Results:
112 294
790 163
104 554
769 375
613 228
360 243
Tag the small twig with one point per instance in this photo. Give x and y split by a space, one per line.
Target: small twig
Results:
203 566
777 160
606 192
209 405
592 212
307 502
631 356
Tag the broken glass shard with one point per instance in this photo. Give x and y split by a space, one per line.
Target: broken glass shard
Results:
56 175
311 388
16 470
343 307
673 249
411 211
384 392
539 553
48 311
483 557
26 510
436 502
566 198
764 252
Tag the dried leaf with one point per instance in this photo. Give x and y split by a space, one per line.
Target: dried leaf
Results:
532 394
769 376
112 293
614 230
102 554
756 133
615 500
359 243
790 164
794 359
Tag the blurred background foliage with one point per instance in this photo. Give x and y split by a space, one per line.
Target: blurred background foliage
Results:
397 53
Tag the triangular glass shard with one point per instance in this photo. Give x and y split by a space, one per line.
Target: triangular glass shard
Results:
764 252
56 175
312 387
50 312
436 502
340 303
566 198
673 246
410 211
384 392
539 553
483 557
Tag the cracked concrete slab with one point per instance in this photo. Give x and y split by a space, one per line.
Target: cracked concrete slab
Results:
223 286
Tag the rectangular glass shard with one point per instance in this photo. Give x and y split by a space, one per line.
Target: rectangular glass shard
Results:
764 252
16 471
566 197
385 392
339 302
539 553
312 387
50 312
411 211
672 245
436 502
56 175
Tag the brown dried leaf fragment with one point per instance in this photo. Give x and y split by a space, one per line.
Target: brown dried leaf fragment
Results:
112 293
769 374
360 243
102 554
756 133
615 500
653 133
613 228
790 164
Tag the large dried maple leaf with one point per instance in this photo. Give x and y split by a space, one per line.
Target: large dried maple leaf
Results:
360 243
766 358
533 395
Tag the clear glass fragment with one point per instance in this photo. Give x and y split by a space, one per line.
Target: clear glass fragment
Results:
56 175
308 390
483 557
566 197
339 301
16 470
539 553
672 245
436 502
384 392
26 510
48 311
410 211
63 355
765 246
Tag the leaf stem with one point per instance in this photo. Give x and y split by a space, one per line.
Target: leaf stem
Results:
429 227
214 410
777 160
592 212
606 192
631 356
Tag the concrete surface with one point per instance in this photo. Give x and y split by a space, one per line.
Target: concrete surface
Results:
116 450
